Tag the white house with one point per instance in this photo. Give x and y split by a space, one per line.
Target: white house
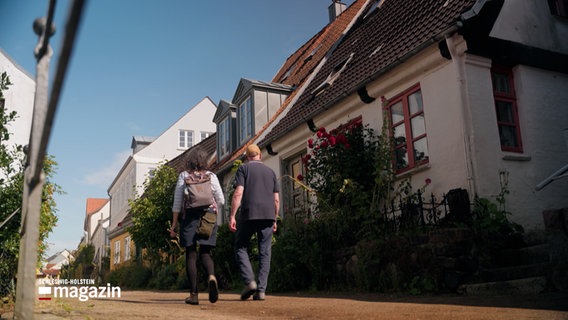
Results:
475 91
96 225
53 264
147 154
18 97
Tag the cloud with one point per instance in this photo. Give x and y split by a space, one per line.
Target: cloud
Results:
103 177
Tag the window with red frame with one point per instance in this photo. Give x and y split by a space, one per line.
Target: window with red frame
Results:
506 109
408 129
558 7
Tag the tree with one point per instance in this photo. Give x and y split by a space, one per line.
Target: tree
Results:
151 215
11 191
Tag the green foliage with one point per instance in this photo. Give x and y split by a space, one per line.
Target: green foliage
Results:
350 171
130 276
11 192
82 267
493 231
152 215
226 269
292 269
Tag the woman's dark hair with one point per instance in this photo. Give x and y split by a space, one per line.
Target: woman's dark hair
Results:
197 159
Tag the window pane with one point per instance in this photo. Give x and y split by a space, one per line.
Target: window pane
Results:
421 150
182 139
296 170
500 83
399 135
397 113
504 111
418 127
415 102
401 157
508 136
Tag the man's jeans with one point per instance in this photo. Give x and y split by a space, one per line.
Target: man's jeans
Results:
263 231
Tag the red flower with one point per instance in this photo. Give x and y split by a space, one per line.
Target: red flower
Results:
322 130
332 141
323 144
319 134
300 177
308 157
310 143
428 181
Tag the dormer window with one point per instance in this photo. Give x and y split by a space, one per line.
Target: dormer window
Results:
224 137
245 119
377 4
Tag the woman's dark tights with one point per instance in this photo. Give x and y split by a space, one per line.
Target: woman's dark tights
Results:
191 264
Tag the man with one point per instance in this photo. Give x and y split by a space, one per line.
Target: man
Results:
256 193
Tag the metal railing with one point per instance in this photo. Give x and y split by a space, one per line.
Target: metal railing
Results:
420 210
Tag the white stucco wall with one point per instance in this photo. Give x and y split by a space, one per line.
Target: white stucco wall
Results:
199 118
530 22
19 97
98 239
542 100
120 191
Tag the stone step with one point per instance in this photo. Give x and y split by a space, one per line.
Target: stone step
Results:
526 286
528 255
514 272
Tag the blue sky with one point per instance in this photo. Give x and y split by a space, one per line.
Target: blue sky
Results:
138 66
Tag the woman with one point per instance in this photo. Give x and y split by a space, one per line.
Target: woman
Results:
188 220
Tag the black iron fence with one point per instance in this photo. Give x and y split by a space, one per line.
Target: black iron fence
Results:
421 210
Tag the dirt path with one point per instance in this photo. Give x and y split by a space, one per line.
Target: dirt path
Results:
170 305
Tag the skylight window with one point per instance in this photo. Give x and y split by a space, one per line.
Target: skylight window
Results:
335 73
311 55
376 50
288 72
376 5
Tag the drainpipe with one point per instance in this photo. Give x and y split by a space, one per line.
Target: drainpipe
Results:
457 54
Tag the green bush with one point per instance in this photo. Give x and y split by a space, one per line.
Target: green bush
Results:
130 276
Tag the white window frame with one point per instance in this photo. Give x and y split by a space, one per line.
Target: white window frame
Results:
127 242
245 119
185 139
116 252
205 135
224 137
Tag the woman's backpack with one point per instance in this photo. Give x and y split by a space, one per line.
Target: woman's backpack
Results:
198 192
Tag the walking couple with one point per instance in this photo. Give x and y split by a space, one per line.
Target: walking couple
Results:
256 193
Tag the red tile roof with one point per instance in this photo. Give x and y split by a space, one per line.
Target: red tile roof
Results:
95 204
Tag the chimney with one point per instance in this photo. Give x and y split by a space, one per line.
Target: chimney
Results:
335 9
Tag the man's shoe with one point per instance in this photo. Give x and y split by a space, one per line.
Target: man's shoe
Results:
258 296
213 289
192 299
249 290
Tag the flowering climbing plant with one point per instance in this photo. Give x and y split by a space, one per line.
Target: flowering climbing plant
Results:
349 168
